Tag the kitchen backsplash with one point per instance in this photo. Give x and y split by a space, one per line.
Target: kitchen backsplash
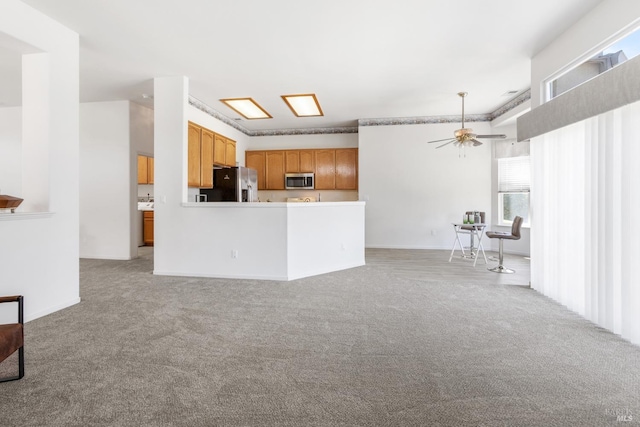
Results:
325 196
144 190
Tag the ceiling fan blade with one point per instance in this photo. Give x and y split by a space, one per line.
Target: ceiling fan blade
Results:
438 140
492 136
476 142
446 143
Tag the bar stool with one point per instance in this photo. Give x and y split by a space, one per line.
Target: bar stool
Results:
514 235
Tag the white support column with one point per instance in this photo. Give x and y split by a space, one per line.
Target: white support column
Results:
171 97
35 132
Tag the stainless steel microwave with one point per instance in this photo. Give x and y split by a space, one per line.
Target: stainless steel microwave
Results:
298 181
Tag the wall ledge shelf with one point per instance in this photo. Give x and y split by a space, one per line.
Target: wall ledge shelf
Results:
25 216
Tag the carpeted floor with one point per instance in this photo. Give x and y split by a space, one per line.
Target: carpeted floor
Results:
370 346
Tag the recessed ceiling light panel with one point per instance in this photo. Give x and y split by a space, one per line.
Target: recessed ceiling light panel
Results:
247 108
304 105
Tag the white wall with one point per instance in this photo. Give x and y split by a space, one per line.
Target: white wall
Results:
607 21
324 237
10 150
171 161
105 184
199 241
39 258
141 130
300 142
415 191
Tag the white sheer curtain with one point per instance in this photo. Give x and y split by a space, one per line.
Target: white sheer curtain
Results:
585 205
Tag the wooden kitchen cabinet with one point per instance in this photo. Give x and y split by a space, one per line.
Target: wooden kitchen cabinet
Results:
325 169
230 152
224 151
206 159
145 169
150 170
334 168
256 160
347 169
200 157
298 161
147 227
274 170
142 170
219 152
307 163
193 172
292 161
270 166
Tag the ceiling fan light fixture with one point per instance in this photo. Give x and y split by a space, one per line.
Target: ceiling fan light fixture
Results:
247 108
303 105
464 137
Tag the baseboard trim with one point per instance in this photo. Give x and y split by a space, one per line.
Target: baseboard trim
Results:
438 248
112 258
217 276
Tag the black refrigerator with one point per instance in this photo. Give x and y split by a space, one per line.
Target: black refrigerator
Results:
237 184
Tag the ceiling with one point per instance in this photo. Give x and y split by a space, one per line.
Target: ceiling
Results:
364 59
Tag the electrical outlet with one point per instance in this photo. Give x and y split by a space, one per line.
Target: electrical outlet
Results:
234 254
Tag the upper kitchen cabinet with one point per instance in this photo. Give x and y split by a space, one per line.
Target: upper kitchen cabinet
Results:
150 169
230 152
347 169
206 149
224 151
325 171
299 161
219 151
193 172
336 169
270 166
206 159
200 157
145 170
256 160
274 170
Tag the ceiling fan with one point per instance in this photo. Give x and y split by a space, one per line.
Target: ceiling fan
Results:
464 137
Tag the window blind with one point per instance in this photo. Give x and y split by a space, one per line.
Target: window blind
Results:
514 174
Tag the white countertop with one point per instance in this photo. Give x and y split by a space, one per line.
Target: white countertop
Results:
267 205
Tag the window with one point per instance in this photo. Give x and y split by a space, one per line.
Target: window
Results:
610 56
514 177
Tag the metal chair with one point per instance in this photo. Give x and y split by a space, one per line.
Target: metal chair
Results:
12 338
514 235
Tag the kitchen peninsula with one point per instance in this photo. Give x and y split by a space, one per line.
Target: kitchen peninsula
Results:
272 241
